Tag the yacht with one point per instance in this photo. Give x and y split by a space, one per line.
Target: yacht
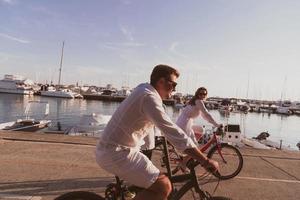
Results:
16 85
225 107
283 110
51 91
284 107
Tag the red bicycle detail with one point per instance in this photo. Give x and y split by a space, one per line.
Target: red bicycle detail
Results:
229 157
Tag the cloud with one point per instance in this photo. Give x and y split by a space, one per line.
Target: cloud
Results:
14 38
121 46
4 57
126 2
126 32
45 11
10 2
173 46
173 49
126 44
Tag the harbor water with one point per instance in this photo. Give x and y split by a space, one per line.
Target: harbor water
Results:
68 111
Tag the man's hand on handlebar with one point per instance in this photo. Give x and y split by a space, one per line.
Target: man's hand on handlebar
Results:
211 165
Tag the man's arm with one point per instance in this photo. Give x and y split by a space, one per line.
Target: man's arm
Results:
153 109
156 113
205 162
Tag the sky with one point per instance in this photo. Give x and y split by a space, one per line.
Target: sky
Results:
234 48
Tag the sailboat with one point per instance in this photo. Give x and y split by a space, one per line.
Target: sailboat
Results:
52 91
284 106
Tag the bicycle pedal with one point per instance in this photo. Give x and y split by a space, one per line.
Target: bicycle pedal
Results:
129 195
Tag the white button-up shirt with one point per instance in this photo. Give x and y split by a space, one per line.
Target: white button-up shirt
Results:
137 115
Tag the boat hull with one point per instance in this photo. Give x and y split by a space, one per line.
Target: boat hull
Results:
16 91
57 94
27 126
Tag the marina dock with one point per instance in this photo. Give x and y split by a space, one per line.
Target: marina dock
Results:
40 166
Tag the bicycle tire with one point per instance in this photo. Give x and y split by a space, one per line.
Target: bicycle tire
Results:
232 156
79 195
187 192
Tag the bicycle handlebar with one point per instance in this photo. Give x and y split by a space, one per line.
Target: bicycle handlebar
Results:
193 163
219 130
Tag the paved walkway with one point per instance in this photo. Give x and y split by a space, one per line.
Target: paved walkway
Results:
36 166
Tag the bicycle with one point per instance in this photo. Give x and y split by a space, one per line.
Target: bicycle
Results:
119 191
229 157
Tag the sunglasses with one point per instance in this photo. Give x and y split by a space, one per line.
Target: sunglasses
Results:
203 93
173 83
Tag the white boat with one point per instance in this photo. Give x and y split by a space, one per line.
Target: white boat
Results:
90 125
16 85
62 93
243 106
283 110
29 124
254 107
224 110
125 91
295 105
225 107
276 145
51 91
253 143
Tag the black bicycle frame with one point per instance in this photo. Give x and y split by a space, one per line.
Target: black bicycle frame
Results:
191 178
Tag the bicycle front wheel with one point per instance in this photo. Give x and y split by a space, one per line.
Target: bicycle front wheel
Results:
79 195
229 158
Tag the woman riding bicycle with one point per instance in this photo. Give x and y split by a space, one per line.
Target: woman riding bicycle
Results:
194 109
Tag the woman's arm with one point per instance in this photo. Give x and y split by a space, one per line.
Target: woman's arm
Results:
204 113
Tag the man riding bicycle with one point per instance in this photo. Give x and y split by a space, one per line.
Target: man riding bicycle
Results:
118 147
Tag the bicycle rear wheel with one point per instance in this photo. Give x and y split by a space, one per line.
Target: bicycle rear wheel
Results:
79 195
232 163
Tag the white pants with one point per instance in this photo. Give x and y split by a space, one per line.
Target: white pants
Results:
129 164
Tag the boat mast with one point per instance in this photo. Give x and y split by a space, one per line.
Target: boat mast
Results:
248 86
61 60
283 92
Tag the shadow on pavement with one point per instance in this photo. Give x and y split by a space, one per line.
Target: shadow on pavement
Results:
55 187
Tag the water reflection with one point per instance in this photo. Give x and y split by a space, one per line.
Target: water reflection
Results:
68 111
12 105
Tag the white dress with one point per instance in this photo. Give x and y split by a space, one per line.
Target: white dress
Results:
189 113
